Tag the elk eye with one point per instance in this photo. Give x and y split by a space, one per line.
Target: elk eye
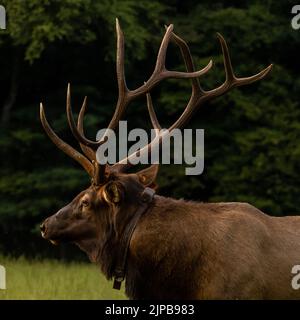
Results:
85 203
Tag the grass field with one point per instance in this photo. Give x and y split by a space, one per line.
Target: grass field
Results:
51 279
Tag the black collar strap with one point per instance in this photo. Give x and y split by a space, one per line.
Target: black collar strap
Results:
120 269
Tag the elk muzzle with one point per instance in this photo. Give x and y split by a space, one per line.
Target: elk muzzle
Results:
44 227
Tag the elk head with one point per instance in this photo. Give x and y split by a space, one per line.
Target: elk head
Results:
97 216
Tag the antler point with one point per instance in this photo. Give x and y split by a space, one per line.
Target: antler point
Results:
118 24
221 38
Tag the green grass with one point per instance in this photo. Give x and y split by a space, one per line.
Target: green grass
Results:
51 279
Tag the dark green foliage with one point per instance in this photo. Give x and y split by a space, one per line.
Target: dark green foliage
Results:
252 147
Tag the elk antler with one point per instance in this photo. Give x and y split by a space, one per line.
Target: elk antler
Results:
125 95
198 96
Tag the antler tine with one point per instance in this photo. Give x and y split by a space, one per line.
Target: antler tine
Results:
152 113
230 77
123 99
120 65
70 151
232 80
98 170
75 131
188 60
86 150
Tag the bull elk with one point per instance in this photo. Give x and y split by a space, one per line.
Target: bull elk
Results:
167 248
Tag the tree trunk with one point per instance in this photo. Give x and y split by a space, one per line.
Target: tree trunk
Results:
13 89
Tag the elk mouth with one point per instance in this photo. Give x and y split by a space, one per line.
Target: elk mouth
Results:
45 234
52 240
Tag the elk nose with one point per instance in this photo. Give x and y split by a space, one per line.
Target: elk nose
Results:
43 227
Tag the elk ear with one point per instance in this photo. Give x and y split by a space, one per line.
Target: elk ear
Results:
112 193
148 176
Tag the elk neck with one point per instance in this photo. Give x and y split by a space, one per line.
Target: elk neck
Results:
120 224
